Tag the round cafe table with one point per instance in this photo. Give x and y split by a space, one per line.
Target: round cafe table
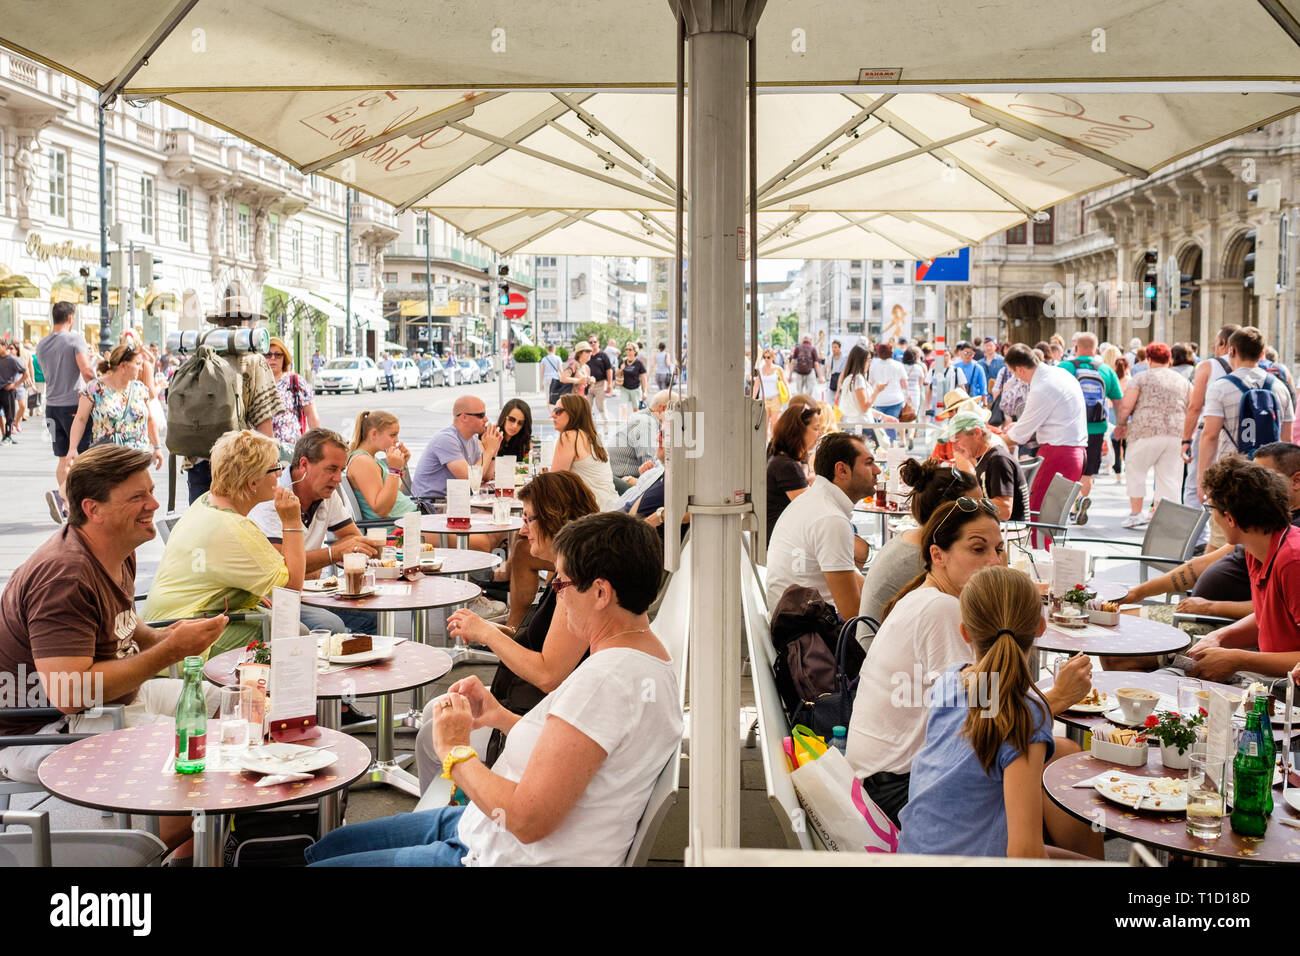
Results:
425 592
461 561
485 501
412 665
1131 637
865 507
478 524
1166 831
123 771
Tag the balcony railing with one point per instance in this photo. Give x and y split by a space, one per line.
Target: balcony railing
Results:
24 71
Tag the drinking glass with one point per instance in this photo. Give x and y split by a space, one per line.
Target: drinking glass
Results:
475 479
377 534
236 706
1204 797
500 511
1189 698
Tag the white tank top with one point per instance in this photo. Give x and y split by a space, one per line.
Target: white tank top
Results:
599 479
1216 371
770 390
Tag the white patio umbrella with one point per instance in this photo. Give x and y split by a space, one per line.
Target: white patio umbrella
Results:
202 54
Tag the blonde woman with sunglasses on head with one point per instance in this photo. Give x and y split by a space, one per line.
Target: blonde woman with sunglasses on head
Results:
115 406
768 386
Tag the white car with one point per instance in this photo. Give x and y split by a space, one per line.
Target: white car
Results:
406 374
356 374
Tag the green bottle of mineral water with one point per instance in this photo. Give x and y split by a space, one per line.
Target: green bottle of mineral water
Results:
192 720
1252 779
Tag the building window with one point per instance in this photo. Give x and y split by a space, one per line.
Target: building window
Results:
417 278
320 251
1044 232
421 232
273 237
183 215
295 247
110 192
390 277
146 206
241 231
58 160
338 257
1016 235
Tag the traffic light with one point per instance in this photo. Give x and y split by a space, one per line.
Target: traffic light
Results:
1150 280
92 293
148 267
486 291
1185 290
503 292
1261 263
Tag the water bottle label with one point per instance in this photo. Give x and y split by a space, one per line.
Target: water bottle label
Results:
197 747
1252 749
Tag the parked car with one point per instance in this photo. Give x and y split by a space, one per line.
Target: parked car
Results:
486 370
406 374
354 374
431 371
469 372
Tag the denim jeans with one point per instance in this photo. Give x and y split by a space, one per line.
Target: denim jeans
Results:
427 838
337 622
199 479
892 411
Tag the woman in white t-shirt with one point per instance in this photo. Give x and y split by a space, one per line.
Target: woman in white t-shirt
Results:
577 771
855 395
889 379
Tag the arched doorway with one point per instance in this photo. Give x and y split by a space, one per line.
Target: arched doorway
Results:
1185 324
1245 309
1023 319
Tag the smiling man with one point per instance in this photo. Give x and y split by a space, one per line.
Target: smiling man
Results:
68 614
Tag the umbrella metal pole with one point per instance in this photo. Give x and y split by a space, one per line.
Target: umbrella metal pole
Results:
105 321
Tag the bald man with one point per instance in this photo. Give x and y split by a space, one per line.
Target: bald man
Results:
468 440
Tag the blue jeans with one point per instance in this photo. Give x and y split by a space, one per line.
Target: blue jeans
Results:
337 622
199 479
427 838
892 411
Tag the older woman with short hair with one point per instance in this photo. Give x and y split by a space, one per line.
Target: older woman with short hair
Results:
217 559
578 769
1150 416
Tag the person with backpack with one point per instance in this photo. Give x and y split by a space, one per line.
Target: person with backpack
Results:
300 414
1244 410
807 367
1099 383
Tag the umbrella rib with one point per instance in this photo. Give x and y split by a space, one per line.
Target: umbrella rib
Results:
907 131
491 152
420 127
855 121
866 228
609 157
164 29
782 225
827 158
1278 11
629 235
554 160
872 167
929 224
521 214
816 235
591 120
1027 130
643 220
570 219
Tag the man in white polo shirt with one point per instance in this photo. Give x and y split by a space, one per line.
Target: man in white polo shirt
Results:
319 458
813 542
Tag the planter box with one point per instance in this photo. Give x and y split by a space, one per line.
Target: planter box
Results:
528 378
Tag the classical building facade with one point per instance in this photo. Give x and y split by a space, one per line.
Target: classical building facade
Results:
1086 265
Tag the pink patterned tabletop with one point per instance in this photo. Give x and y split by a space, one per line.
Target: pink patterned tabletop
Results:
1280 844
412 665
1110 681
425 591
462 560
122 771
478 524
1132 636
485 501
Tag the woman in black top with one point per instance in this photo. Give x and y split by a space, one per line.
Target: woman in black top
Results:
793 439
516 424
541 652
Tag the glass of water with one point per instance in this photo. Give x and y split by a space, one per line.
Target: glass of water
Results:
236 707
1190 696
1205 782
475 479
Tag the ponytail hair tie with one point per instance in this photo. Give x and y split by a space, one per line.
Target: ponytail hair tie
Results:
1010 633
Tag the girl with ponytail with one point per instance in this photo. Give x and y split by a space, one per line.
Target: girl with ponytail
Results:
976 785
378 484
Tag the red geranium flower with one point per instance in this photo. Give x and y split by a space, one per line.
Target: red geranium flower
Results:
1204 712
1151 720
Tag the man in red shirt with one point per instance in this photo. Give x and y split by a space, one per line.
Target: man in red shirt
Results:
1252 506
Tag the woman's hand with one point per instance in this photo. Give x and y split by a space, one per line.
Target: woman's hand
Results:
452 722
288 507
484 708
468 626
397 458
157 458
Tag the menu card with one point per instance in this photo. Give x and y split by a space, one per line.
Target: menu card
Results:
894 458
457 504
412 543
547 453
1218 734
286 609
505 472
293 688
1069 567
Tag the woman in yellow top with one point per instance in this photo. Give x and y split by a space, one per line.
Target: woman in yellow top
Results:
216 559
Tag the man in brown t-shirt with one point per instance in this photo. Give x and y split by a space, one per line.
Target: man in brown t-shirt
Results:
67 614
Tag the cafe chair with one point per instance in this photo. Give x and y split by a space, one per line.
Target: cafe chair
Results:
1169 540
354 506
1028 468
1053 513
1139 855
44 847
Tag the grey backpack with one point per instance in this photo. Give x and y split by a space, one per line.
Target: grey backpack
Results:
204 401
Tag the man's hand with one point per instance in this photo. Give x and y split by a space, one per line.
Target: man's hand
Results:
1210 642
645 466
357 544
1187 454
288 507
1195 605
1074 679
1215 663
188 638
491 441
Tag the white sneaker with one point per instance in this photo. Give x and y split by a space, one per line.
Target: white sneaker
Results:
1138 520
488 609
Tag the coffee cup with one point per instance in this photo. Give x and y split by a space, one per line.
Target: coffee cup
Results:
1136 703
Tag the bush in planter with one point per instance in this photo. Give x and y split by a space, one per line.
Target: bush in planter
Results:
562 352
1173 730
526 354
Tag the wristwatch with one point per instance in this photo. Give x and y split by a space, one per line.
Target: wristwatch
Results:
454 756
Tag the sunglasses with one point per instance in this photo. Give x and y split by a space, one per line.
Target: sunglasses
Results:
511 419
278 355
479 415
561 585
969 506
558 410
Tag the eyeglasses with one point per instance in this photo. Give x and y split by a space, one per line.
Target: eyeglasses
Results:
278 355
559 585
955 479
276 470
968 506
479 415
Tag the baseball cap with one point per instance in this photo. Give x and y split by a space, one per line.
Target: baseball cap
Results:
963 420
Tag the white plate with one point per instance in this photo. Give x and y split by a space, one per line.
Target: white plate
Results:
286 758
363 593
1116 716
1107 702
381 650
320 587
1124 789
1292 796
